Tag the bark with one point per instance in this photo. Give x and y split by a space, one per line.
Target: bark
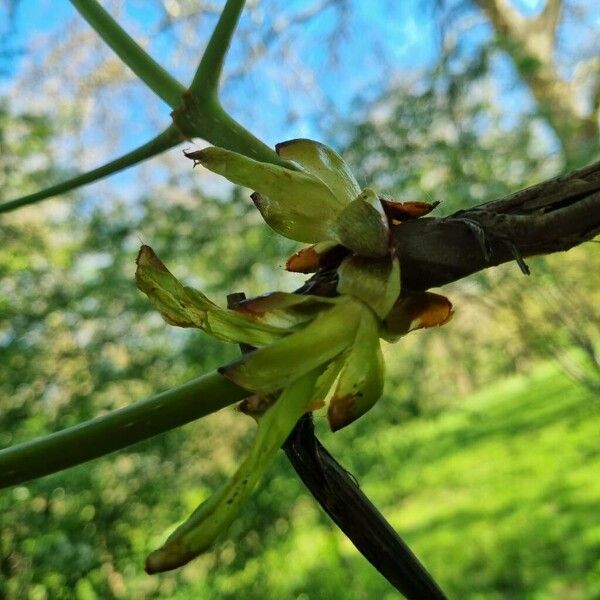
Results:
339 495
552 216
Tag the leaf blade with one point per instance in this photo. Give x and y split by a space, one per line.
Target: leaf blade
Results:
325 164
186 307
214 516
293 203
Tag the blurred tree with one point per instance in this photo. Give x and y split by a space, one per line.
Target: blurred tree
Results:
571 106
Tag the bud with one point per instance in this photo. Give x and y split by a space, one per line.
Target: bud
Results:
376 282
317 200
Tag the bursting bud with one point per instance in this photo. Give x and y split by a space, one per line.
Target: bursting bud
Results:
316 200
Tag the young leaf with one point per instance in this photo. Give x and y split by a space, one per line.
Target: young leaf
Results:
282 309
363 227
361 379
375 282
186 307
325 164
295 204
276 366
214 515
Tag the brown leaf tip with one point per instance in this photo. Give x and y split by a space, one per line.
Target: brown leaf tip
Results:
341 412
170 556
281 145
147 258
256 405
196 156
235 370
257 199
436 311
306 260
419 310
257 306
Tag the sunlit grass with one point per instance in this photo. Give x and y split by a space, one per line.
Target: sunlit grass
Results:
498 497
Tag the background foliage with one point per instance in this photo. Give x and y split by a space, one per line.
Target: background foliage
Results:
484 452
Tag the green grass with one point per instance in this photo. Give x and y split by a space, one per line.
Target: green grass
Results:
500 498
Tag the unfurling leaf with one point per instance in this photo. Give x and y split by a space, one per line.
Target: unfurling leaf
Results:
294 203
361 379
374 281
363 226
276 366
323 163
214 515
187 307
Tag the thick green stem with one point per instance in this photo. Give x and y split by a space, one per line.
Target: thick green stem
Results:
167 139
138 60
197 112
201 114
208 74
118 429
206 119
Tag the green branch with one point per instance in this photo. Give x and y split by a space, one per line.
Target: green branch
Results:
197 112
167 139
138 60
208 74
118 429
201 114
206 119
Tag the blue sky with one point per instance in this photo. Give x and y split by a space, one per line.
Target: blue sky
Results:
378 47
386 41
406 41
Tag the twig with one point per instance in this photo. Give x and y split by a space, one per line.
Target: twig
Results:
553 216
338 493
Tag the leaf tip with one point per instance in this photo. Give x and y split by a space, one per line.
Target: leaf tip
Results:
341 412
234 370
281 146
147 258
166 558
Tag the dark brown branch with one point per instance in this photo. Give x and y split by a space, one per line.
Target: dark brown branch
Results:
350 509
552 216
